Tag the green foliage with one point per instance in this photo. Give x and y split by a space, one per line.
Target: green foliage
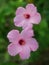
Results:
7 13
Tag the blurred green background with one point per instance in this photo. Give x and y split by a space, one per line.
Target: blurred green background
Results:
7 13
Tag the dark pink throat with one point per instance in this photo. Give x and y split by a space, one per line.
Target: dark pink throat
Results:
27 16
21 42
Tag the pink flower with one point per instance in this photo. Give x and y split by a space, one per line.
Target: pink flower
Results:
22 43
27 16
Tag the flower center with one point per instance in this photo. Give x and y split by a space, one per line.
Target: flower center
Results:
27 16
21 42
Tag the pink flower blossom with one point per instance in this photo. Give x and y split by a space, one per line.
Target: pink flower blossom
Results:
26 16
22 43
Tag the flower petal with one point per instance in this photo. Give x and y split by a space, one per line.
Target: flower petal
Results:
25 53
27 25
33 44
31 8
19 21
20 11
36 19
27 33
14 49
13 35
